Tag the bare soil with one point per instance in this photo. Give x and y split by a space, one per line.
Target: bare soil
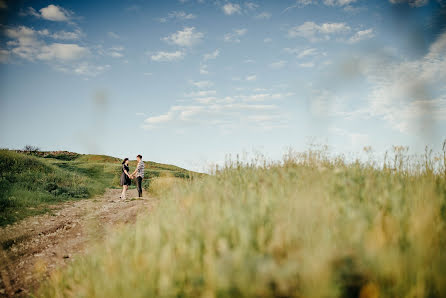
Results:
32 248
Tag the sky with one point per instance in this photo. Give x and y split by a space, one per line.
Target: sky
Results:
189 82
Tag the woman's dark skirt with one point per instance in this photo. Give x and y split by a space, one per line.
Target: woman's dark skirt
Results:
125 180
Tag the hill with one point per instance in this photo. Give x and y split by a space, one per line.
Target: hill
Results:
30 182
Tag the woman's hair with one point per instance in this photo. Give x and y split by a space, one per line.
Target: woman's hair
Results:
125 159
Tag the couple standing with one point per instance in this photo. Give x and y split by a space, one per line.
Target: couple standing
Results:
126 177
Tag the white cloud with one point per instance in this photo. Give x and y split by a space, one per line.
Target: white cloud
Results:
278 64
55 13
241 32
302 53
202 93
29 11
263 96
185 38
198 1
267 40
235 35
362 35
26 47
60 51
113 35
23 33
315 32
413 3
4 56
211 56
251 78
159 119
338 2
206 100
307 52
116 52
409 95
299 3
307 64
88 69
204 69
329 28
202 84
264 15
67 35
224 113
251 5
83 68
231 8
181 15
26 44
207 112
178 15
167 56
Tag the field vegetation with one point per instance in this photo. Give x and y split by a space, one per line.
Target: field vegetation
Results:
31 181
311 225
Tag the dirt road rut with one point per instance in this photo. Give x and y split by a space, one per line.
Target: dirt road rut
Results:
32 248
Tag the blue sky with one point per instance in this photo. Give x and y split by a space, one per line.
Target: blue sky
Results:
188 82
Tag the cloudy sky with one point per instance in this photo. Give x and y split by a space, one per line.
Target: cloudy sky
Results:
189 81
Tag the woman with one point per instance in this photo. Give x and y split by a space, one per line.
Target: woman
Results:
125 177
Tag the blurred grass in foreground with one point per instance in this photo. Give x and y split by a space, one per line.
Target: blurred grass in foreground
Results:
309 226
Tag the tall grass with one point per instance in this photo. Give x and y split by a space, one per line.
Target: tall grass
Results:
308 226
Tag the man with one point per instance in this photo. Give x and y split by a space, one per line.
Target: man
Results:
139 174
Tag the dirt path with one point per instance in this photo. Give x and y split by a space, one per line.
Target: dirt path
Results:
37 245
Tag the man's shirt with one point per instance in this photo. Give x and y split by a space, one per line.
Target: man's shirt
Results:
140 169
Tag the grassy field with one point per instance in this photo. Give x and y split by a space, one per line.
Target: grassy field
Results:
31 181
308 226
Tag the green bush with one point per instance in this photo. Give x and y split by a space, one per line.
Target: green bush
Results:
182 175
28 183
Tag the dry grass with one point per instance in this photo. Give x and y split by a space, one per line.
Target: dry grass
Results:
309 226
160 185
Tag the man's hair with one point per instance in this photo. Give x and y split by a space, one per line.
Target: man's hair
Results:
139 155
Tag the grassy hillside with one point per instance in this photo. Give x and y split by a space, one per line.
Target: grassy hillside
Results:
309 226
31 181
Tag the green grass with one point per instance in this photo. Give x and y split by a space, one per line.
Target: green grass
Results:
31 182
309 226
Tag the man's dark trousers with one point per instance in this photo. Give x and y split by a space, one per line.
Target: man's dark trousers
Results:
139 186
